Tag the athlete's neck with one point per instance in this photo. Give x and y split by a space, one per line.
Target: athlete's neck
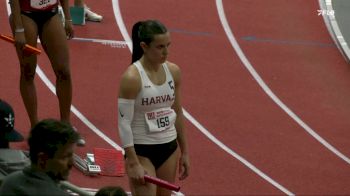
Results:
149 65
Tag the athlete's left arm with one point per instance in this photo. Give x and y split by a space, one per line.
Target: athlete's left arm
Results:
184 164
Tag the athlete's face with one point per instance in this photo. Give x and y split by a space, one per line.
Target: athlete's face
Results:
59 166
158 50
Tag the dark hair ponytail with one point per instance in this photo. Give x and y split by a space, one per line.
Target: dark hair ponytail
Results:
144 31
136 48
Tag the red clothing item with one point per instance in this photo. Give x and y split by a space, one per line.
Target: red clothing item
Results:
37 5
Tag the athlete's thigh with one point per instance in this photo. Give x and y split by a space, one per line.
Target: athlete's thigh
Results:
167 171
31 35
148 188
54 41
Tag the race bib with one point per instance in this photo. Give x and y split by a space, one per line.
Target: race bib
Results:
160 119
42 4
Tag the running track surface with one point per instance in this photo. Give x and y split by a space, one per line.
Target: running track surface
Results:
286 43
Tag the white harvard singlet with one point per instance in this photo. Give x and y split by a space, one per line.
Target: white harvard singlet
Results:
153 121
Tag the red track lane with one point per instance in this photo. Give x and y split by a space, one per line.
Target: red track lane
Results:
311 80
219 92
320 71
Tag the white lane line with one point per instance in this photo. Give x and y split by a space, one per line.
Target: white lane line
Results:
112 43
267 90
126 37
237 156
120 23
74 110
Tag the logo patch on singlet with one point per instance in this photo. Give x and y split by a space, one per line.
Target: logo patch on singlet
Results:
121 114
171 84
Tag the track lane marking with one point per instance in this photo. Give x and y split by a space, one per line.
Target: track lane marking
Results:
112 43
266 89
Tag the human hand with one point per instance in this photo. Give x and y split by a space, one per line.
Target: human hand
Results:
20 40
184 166
69 29
136 172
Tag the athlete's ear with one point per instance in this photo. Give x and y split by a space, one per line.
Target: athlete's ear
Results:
143 45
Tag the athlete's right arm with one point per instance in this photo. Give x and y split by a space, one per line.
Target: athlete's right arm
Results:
130 86
16 24
68 19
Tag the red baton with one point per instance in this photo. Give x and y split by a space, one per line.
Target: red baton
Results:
27 47
162 183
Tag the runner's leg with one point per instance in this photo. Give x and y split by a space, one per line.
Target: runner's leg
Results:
167 171
55 44
27 67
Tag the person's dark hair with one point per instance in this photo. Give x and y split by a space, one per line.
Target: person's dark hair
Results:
111 191
48 135
144 31
4 143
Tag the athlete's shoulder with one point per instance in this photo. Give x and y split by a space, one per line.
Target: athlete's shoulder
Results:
131 73
130 83
174 69
173 66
